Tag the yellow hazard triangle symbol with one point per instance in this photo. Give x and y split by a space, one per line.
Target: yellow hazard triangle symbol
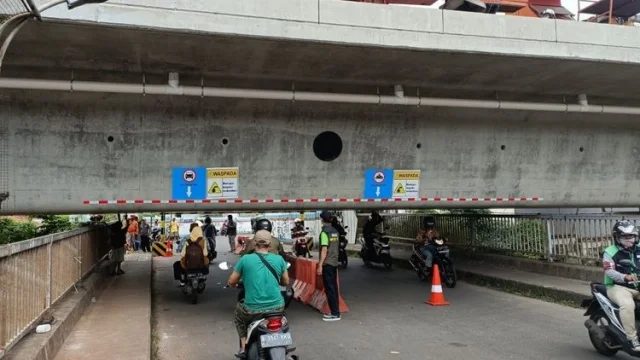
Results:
400 189
215 189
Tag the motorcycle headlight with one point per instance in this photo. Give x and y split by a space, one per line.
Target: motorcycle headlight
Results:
439 241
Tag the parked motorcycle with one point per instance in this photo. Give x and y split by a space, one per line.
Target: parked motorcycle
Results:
604 325
441 258
381 253
343 259
269 337
195 284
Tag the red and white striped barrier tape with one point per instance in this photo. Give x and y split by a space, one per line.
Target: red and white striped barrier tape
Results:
313 200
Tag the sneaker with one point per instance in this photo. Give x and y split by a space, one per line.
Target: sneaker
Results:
331 318
635 344
182 283
241 355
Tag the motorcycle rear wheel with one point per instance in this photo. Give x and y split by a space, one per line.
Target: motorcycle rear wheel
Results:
194 296
600 346
387 261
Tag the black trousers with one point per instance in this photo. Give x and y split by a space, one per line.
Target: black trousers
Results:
330 281
145 243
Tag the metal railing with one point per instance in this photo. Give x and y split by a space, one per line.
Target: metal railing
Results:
582 237
36 273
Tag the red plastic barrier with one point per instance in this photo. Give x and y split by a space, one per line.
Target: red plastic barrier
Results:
308 287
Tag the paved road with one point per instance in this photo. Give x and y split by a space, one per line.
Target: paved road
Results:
388 320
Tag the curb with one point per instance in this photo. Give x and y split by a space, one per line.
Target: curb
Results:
66 312
548 294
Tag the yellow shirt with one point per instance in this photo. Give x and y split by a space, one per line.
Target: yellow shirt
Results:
174 227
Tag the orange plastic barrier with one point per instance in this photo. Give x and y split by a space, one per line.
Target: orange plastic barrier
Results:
308 287
169 252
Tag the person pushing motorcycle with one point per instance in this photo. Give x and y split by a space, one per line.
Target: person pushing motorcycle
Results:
620 279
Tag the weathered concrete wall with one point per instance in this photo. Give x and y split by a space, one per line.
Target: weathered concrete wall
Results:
60 153
370 25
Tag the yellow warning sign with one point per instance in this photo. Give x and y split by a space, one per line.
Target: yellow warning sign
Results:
215 189
400 189
222 173
406 175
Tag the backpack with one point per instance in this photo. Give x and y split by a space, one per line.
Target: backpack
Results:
193 258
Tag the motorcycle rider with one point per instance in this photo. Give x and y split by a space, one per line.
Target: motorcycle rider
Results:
426 238
196 238
372 230
276 245
262 288
299 234
618 276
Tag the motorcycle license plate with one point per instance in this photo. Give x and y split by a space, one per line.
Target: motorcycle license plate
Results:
273 340
194 275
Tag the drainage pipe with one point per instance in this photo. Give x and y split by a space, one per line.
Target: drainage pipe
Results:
291 95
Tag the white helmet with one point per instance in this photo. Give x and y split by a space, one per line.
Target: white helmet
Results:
297 220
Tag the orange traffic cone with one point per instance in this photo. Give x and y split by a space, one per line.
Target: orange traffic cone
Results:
437 297
169 252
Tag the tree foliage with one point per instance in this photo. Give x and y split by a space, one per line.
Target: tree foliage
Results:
14 231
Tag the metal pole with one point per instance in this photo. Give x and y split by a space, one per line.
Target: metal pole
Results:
610 10
34 10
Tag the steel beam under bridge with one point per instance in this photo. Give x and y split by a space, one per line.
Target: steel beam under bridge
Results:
89 153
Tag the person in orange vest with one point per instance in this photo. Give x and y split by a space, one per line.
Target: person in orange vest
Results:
132 232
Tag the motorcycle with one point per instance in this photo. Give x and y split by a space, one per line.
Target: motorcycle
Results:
343 259
269 337
441 258
195 284
300 246
604 325
381 252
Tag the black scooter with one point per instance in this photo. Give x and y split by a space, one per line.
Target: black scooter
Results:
441 258
604 325
268 338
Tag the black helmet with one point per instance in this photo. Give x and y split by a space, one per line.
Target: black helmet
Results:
326 216
624 228
207 220
262 224
428 222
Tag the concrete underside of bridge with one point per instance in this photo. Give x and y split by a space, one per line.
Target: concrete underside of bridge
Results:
60 154
63 148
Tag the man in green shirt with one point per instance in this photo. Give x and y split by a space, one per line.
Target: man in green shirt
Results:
328 264
262 289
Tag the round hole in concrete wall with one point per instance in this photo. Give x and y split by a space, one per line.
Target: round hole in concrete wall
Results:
327 146
418 145
110 138
581 149
225 141
502 147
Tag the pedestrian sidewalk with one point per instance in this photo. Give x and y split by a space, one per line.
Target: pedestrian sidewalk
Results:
496 275
118 324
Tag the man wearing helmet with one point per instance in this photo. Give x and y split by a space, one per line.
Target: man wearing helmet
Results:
619 278
276 245
299 236
372 229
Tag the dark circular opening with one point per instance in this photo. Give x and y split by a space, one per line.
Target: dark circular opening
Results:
327 146
419 145
110 138
502 147
581 149
225 141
